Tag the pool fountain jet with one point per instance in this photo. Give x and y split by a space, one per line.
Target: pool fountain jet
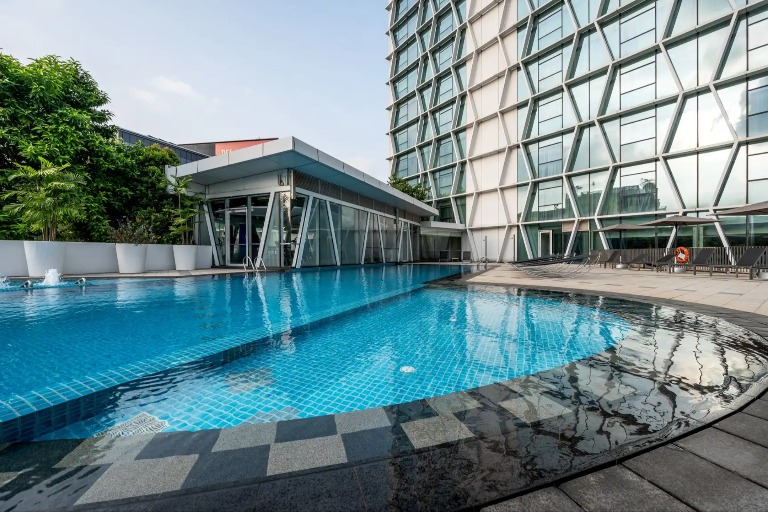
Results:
4 284
52 278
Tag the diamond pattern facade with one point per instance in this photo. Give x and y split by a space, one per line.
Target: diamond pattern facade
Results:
537 124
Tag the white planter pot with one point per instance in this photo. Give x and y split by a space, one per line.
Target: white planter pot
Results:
131 258
42 256
185 256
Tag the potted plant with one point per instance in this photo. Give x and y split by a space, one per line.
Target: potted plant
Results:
44 199
131 241
183 225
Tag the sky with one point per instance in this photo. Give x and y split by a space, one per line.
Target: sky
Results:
193 71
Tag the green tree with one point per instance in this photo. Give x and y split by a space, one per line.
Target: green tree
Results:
44 198
185 211
53 109
418 191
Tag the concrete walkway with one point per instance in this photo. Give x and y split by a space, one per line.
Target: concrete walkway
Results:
722 467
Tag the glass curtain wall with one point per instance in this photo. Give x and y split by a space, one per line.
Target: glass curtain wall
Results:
318 243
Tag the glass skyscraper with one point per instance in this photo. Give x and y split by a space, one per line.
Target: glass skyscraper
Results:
534 125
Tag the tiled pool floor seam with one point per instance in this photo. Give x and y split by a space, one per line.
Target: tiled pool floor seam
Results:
441 418
47 410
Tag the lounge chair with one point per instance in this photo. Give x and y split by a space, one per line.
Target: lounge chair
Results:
555 266
747 261
611 258
641 260
664 261
466 256
701 259
442 256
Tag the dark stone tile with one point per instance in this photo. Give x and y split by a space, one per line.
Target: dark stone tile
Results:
334 490
749 427
30 456
168 444
698 482
376 443
235 499
129 505
496 393
305 428
488 421
452 478
543 500
730 452
617 488
758 408
228 466
409 411
61 488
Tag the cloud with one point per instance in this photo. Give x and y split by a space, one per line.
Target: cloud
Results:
144 96
177 87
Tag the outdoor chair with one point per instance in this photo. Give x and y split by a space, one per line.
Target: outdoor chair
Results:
641 260
611 258
466 256
555 266
747 261
701 259
442 256
664 261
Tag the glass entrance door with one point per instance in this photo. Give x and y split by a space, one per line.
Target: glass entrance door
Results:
237 230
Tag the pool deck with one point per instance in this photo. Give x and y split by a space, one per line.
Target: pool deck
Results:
719 467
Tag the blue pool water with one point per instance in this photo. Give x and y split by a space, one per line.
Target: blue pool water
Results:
321 342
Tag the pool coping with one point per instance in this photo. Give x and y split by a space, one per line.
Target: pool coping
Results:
755 323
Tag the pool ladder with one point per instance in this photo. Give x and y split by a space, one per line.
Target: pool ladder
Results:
255 266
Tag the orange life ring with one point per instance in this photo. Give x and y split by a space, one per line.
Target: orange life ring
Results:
682 255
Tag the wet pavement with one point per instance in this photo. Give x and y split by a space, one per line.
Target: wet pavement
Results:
681 368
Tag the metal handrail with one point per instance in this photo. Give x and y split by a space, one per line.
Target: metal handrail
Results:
259 265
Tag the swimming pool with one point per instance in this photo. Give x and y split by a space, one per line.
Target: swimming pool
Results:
202 353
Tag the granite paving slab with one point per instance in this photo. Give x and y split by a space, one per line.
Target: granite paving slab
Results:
548 499
306 454
697 482
434 431
747 427
245 436
618 488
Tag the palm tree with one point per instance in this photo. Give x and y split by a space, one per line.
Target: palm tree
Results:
188 207
44 198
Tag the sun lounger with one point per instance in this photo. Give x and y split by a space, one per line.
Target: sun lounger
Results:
747 261
640 260
664 261
611 258
701 259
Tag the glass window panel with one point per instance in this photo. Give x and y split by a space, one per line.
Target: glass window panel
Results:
758 166
425 153
444 154
757 124
712 126
406 56
709 9
596 86
638 130
612 132
522 168
685 132
735 190
757 191
665 83
443 182
406 29
444 25
637 22
736 60
406 165
663 118
684 65
685 16
734 100
711 165
666 199
611 31
638 192
758 57
580 95
710 48
597 184
757 101
522 194
461 142
612 195
684 172
580 186
444 89
461 180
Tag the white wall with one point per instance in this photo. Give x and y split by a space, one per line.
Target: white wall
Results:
159 257
90 258
94 258
12 259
